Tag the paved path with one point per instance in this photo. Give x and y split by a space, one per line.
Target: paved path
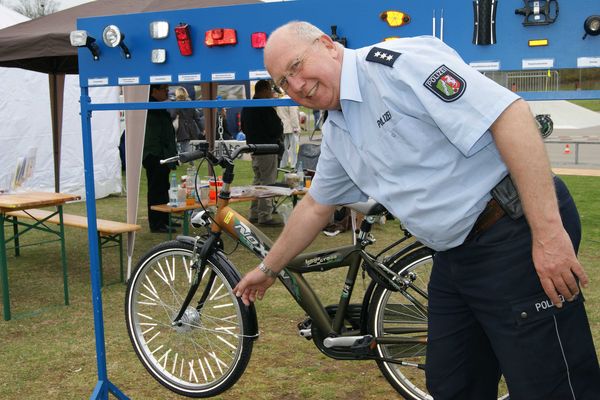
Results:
576 171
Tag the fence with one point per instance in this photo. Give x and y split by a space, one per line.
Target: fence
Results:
527 81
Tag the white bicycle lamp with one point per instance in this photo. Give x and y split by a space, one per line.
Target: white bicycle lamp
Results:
81 38
113 37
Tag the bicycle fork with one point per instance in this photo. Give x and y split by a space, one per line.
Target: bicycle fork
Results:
199 267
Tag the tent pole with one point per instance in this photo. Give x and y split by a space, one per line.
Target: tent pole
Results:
56 84
104 386
135 127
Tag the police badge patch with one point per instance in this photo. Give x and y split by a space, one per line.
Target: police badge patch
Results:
446 84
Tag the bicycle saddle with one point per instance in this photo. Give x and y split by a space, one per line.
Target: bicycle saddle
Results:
369 207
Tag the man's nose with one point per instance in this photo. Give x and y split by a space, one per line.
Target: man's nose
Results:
296 83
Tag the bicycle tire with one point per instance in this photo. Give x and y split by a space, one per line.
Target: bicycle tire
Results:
408 380
208 353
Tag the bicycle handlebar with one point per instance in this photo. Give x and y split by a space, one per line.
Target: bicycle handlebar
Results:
250 148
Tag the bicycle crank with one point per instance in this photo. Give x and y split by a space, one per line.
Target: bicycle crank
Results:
356 342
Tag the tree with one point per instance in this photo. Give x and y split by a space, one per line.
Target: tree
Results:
35 8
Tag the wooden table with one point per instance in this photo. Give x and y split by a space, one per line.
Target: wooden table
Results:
24 201
187 209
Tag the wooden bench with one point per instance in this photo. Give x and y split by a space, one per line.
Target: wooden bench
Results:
108 231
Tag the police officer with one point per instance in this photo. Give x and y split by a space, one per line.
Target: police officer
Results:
443 147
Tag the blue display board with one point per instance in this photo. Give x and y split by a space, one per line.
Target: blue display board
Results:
357 20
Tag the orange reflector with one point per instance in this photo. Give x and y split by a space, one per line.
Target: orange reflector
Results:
220 37
395 18
538 42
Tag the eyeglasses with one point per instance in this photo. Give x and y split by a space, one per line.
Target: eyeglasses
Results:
295 68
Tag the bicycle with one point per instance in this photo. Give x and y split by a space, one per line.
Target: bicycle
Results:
195 337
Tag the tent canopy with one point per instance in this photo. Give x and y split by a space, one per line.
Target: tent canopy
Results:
43 44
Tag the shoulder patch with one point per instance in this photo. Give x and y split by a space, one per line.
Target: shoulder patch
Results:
383 56
446 84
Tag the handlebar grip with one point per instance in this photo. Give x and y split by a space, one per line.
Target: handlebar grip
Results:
191 156
263 148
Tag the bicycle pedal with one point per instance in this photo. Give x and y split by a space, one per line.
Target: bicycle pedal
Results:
305 329
364 345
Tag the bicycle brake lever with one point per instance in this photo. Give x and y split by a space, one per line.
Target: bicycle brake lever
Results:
170 160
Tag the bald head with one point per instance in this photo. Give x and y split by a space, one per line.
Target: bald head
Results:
294 31
307 62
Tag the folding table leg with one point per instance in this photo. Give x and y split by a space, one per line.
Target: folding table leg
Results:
4 271
16 236
63 254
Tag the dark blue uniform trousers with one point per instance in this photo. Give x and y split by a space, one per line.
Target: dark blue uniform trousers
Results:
488 315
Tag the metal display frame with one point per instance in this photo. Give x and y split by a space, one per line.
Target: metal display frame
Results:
358 20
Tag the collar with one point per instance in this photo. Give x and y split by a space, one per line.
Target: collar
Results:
349 88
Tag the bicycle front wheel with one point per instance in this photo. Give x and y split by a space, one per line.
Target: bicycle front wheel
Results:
398 321
208 351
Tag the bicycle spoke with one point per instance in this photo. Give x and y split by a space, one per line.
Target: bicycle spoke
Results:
200 352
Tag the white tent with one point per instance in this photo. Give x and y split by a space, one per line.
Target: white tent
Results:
27 129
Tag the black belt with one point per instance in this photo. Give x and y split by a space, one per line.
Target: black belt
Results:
488 217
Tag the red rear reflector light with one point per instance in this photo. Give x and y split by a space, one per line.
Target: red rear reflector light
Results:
220 37
182 33
259 40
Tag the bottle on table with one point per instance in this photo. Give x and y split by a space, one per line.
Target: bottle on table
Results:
190 186
173 190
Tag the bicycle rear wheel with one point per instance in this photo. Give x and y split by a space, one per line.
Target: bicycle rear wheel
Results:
398 321
205 354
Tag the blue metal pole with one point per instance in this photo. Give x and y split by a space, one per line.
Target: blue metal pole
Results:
103 386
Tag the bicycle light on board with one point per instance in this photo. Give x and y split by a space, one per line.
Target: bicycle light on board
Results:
220 37
591 26
113 37
184 41
83 39
395 18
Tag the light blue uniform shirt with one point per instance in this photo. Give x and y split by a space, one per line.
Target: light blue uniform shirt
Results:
402 139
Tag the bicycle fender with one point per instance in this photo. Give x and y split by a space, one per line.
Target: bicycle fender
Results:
373 285
223 262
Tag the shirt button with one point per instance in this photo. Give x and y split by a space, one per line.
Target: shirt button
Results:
523 315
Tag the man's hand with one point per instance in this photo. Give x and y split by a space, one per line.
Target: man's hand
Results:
253 286
557 267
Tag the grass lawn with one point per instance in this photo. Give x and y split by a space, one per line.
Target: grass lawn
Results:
50 353
593 105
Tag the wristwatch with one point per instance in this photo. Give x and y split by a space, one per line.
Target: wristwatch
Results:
268 271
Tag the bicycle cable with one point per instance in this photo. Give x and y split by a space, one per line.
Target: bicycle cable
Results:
214 179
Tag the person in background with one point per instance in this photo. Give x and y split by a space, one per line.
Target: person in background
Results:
261 125
189 126
459 160
291 133
159 144
224 133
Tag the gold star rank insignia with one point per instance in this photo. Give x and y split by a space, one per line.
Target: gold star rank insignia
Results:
383 56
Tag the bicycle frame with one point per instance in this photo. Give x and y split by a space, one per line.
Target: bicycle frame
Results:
244 232
351 256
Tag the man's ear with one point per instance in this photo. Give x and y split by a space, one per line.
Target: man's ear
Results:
330 46
327 41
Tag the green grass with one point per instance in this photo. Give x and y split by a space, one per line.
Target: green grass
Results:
593 105
50 354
